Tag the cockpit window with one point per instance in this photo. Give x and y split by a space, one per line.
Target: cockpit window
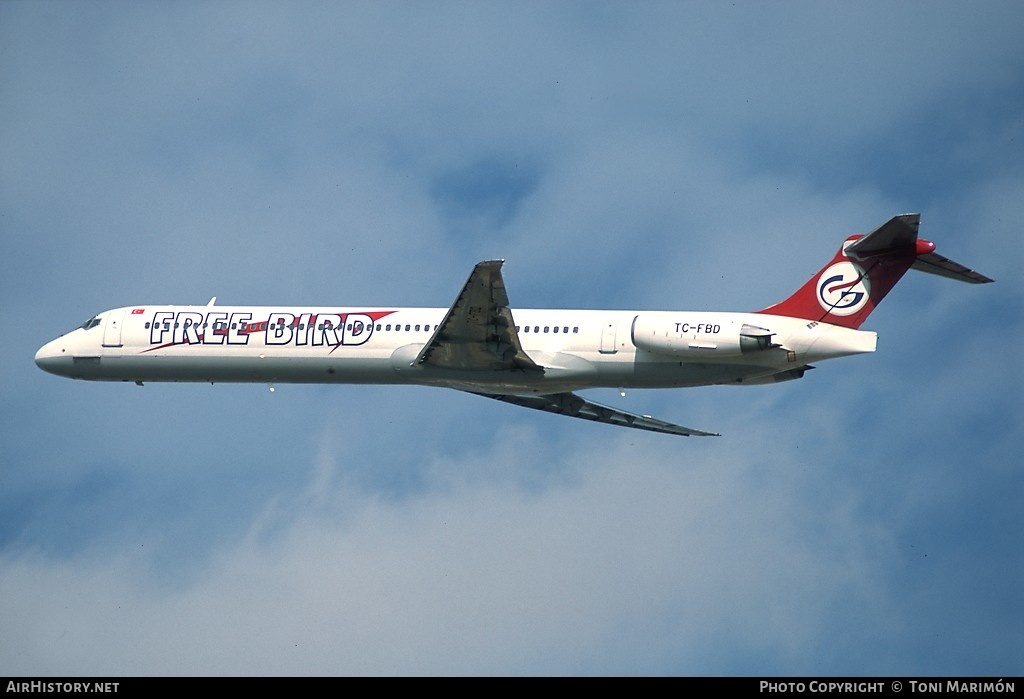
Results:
89 324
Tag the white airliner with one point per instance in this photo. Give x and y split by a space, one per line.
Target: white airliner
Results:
535 358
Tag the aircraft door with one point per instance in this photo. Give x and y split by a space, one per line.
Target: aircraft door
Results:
112 328
611 325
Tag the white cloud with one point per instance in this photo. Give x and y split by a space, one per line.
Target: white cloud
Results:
472 576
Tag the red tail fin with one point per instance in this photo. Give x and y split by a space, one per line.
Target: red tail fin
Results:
866 267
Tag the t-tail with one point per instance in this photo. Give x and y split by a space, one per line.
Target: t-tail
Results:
864 270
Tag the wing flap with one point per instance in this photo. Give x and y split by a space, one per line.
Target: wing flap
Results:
573 406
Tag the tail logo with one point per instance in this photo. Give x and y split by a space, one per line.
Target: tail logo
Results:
843 289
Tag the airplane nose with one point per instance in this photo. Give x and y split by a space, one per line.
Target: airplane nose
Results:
53 358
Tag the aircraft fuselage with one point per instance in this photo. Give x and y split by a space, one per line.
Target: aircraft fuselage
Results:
576 348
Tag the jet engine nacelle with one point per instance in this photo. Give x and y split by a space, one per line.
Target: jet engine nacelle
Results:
698 335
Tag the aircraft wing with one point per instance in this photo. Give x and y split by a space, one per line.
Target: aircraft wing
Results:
478 332
572 405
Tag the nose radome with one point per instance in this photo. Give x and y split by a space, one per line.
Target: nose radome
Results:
52 356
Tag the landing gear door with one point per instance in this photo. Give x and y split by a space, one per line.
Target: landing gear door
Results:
112 328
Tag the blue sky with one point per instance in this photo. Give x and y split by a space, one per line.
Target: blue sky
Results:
864 520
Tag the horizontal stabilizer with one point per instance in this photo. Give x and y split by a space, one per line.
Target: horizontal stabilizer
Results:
572 405
934 263
898 233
